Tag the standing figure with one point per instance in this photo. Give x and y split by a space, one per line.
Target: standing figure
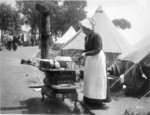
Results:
96 89
9 42
15 41
22 38
32 41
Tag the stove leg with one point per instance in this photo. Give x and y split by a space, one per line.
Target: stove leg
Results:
75 104
76 109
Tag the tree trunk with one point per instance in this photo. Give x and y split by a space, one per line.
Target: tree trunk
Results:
2 37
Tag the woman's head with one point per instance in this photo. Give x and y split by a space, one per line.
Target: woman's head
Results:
86 31
87 25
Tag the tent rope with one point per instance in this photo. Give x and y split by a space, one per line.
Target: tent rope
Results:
125 108
72 52
114 83
124 74
141 98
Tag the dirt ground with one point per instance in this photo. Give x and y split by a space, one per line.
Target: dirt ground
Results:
17 98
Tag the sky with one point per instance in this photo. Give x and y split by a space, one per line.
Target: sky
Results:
137 12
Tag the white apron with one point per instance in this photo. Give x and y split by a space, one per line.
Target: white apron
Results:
95 78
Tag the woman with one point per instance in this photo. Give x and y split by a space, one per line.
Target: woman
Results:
95 77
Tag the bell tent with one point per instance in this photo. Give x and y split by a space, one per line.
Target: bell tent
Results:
113 41
64 39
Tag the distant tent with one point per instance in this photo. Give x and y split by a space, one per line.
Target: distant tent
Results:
138 51
69 34
137 74
64 39
113 41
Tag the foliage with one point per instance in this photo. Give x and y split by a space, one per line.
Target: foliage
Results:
75 12
31 15
9 18
122 23
61 17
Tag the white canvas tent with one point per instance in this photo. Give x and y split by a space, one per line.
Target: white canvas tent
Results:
112 40
69 34
138 51
64 39
134 68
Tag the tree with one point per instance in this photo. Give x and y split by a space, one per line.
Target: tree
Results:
61 17
16 22
9 19
73 14
31 15
122 23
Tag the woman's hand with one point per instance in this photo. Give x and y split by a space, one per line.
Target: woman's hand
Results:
81 59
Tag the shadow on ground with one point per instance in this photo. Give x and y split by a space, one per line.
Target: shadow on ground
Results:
36 106
12 108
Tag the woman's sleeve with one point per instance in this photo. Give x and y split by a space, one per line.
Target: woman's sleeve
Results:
85 40
97 46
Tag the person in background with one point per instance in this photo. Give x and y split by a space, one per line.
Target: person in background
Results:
15 42
96 89
32 41
22 38
9 41
19 39
5 40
